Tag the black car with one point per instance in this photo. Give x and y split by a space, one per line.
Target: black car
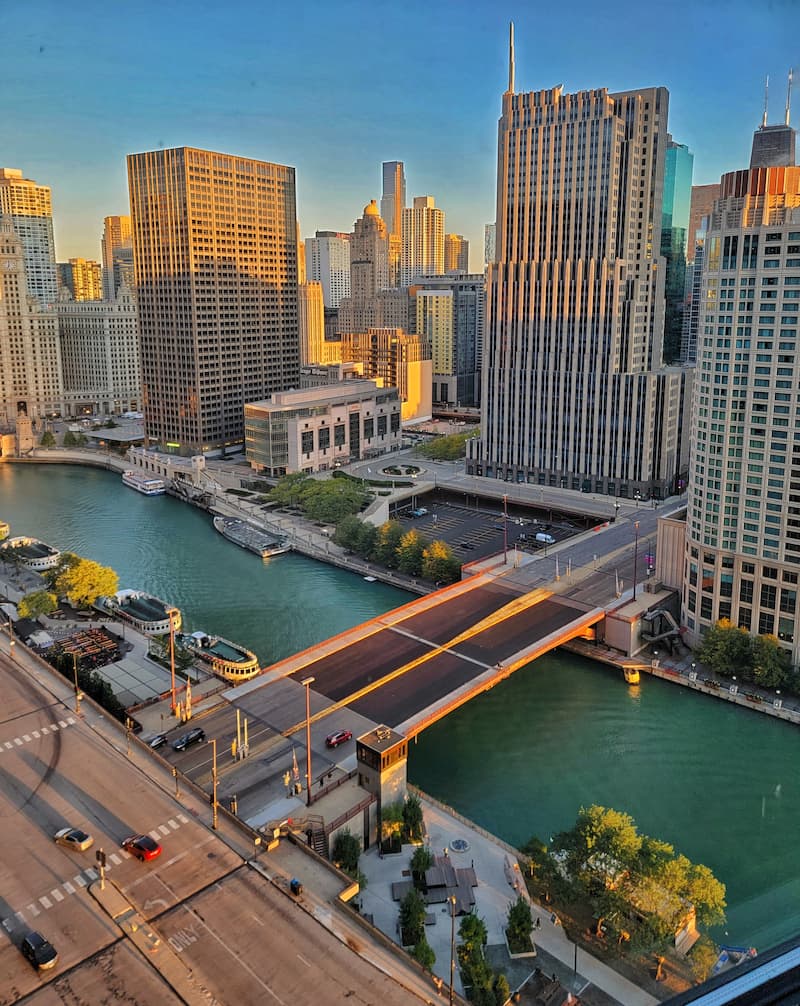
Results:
158 741
186 740
41 953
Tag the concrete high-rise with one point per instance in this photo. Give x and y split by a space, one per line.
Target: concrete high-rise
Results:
369 273
215 255
80 279
311 316
702 204
423 240
743 521
574 392
30 352
328 263
456 253
29 207
117 255
678 165
393 196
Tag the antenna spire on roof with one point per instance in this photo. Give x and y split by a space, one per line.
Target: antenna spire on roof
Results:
766 103
511 57
789 96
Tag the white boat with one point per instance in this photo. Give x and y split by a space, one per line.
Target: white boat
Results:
145 484
5 529
247 535
30 552
228 660
147 614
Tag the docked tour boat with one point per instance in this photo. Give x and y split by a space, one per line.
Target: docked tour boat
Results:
251 537
227 660
31 553
145 484
147 614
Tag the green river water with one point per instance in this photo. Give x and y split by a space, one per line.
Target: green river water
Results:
721 783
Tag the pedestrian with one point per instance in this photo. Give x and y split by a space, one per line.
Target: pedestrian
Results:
538 924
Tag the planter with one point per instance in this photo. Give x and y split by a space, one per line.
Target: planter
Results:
523 953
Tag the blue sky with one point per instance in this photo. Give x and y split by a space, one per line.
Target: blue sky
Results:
334 88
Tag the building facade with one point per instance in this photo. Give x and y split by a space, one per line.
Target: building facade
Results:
117 255
328 263
678 167
30 352
743 519
100 355
311 317
215 254
80 279
450 313
701 205
394 359
456 253
423 240
574 392
319 428
29 207
489 243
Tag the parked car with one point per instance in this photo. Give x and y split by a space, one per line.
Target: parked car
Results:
338 737
39 951
158 741
419 512
193 736
143 847
74 839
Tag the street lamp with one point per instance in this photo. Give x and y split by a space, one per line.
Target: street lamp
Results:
171 612
505 528
616 510
635 553
637 496
308 682
214 804
452 902
77 690
11 639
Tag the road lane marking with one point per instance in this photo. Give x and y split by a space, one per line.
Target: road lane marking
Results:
55 893
301 958
45 902
91 874
115 859
18 742
68 887
9 745
26 738
155 835
183 819
79 880
173 824
62 724
36 734
163 829
34 910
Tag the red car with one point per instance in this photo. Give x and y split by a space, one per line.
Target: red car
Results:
338 737
142 846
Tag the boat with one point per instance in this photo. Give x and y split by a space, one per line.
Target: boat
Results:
147 614
632 676
251 537
145 484
5 529
31 553
227 660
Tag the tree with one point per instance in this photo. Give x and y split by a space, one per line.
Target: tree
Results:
288 490
439 564
391 825
331 501
387 542
703 957
347 533
413 818
346 852
39 602
110 424
603 843
412 918
473 932
520 922
409 553
366 540
501 989
707 894
421 861
449 448
69 439
85 581
770 662
423 953
48 440
726 649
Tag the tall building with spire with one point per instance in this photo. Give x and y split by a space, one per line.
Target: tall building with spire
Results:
574 392
29 207
743 520
117 255
775 146
215 253
393 202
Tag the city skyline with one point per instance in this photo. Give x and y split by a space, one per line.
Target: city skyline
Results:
292 99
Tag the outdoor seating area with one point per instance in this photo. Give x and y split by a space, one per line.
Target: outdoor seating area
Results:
90 647
443 881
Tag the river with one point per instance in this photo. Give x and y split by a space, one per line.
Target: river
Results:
719 782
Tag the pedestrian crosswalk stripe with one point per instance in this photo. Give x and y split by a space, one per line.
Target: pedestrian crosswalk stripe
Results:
173 824
45 902
34 910
163 829
26 738
79 880
55 893
68 887
115 859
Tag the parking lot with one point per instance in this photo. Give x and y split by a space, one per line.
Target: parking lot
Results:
476 532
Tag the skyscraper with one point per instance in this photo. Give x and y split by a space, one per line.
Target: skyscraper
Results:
28 205
775 146
678 166
81 279
328 263
369 272
117 254
215 253
489 243
743 519
702 204
30 351
423 240
573 389
393 197
311 315
456 253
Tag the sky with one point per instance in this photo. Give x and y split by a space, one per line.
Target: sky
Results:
334 88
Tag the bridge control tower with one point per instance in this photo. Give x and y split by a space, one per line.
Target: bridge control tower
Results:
382 756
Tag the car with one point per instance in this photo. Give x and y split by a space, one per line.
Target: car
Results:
158 741
193 736
419 512
143 847
74 839
468 546
39 951
338 737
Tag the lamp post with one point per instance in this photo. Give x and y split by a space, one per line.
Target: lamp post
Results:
308 682
171 613
505 528
11 639
616 510
214 805
452 902
635 555
75 678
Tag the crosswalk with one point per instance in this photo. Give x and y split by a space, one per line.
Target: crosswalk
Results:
81 880
35 735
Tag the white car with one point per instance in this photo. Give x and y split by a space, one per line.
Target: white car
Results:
74 839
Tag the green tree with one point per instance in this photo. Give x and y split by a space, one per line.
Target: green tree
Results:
421 861
439 564
520 922
412 918
473 932
39 602
48 440
449 448
423 953
289 489
387 542
85 581
501 989
367 537
409 553
346 852
602 844
331 501
771 662
110 424
348 531
413 818
69 439
707 894
702 957
726 649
